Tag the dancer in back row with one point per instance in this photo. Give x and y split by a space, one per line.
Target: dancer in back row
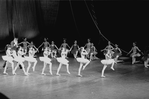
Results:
74 49
135 53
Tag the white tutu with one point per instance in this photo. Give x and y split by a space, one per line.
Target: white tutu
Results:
45 59
7 58
82 60
107 62
62 60
19 59
30 59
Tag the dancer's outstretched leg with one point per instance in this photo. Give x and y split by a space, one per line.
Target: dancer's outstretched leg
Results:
5 68
86 65
67 66
60 65
103 70
79 71
50 67
43 69
35 63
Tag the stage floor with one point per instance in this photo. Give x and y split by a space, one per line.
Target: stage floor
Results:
126 82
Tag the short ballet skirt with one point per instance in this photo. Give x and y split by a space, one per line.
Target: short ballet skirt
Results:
62 60
107 61
19 59
45 59
135 55
30 59
82 60
7 58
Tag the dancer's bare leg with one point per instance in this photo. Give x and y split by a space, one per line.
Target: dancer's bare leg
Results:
133 60
79 71
103 70
35 63
112 66
85 65
67 66
50 67
43 69
12 65
14 71
29 65
145 64
5 68
21 63
60 65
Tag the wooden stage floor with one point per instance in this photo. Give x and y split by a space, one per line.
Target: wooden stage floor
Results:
126 82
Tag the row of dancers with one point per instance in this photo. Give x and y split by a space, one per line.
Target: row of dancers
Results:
19 54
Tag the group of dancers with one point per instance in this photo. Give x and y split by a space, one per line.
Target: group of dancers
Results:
25 51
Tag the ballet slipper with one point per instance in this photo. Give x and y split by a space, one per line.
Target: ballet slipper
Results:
58 74
79 75
5 73
43 73
103 76
112 68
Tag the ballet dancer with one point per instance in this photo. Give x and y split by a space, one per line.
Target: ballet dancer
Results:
93 52
106 62
45 44
63 61
117 53
82 60
25 44
32 51
19 59
46 60
64 45
54 49
8 59
74 49
87 47
31 58
108 50
134 54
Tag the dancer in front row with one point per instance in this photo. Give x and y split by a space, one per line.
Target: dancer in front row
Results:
82 60
8 59
46 60
106 62
31 57
19 59
135 53
63 61
74 49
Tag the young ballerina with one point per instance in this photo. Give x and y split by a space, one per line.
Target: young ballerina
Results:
54 49
25 43
108 50
117 53
82 60
88 47
65 46
8 59
45 44
74 49
31 58
46 60
63 61
93 52
134 54
106 62
19 59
